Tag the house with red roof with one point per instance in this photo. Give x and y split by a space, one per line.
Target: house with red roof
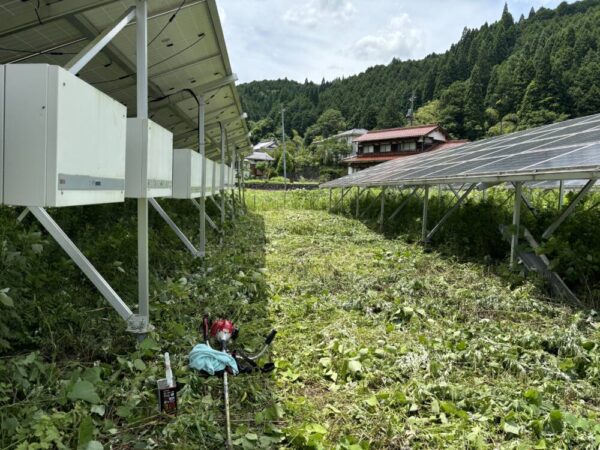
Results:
378 146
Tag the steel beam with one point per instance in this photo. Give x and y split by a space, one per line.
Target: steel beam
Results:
141 14
182 237
561 194
82 262
202 147
451 211
425 214
99 42
224 143
382 209
514 241
403 204
567 212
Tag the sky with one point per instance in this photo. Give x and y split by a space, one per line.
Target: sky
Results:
316 39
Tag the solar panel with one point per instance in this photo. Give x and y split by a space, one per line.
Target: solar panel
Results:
187 52
564 150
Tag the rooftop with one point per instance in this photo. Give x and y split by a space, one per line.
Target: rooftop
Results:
259 156
398 133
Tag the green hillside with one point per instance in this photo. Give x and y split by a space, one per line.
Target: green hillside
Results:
503 76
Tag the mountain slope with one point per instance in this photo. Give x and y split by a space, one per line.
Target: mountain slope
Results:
537 70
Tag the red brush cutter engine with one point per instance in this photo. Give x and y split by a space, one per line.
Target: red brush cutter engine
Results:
223 331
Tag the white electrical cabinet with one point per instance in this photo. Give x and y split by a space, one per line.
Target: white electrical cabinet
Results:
187 173
63 140
217 179
149 160
209 175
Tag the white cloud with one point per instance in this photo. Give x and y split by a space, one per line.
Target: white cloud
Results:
400 38
315 11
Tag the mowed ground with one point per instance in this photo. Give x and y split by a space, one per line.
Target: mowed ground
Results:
382 345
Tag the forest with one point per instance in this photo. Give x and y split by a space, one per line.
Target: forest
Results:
512 74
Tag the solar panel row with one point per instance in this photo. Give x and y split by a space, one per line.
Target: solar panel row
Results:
560 151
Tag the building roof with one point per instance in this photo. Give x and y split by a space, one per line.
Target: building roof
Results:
398 133
265 144
259 156
352 132
377 158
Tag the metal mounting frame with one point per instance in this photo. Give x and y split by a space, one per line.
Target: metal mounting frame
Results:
180 234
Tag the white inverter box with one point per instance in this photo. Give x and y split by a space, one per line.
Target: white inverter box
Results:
64 140
149 160
187 173
209 175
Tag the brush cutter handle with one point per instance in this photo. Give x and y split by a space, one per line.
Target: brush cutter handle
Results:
205 328
270 337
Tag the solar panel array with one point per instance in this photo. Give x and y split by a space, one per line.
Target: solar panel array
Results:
566 150
186 50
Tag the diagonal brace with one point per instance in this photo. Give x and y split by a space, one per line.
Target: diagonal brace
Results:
206 216
79 61
82 262
567 212
449 213
182 237
403 204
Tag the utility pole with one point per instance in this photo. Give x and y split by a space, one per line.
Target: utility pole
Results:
284 162
411 112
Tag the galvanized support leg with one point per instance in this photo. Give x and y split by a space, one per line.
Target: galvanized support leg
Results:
460 200
567 212
182 237
403 204
425 213
561 194
382 209
82 262
141 17
358 192
210 222
514 242
202 202
222 174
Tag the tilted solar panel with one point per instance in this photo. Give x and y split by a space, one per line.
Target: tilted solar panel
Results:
560 151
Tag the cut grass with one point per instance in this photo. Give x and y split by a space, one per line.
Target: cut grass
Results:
390 347
380 344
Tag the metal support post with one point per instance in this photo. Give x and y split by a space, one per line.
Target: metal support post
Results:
382 209
233 208
514 242
202 147
182 237
330 195
141 17
425 213
358 192
82 262
460 200
222 187
210 222
567 212
561 194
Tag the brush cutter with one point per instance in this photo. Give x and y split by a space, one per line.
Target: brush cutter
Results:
223 331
